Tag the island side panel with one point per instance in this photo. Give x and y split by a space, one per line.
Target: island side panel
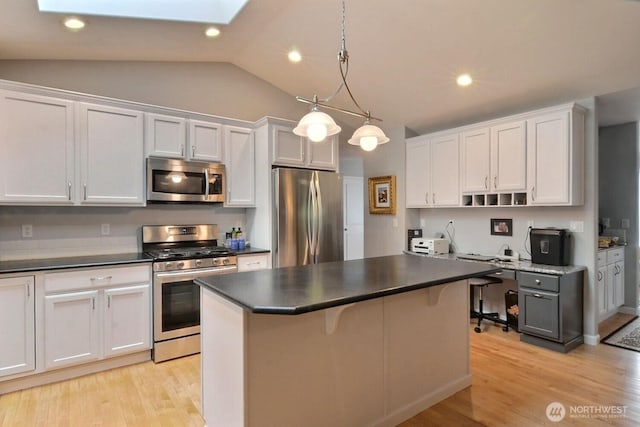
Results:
298 375
223 326
427 348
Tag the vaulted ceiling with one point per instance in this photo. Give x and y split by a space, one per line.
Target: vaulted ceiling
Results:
404 54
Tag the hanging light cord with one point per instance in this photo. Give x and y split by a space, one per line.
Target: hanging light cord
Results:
343 62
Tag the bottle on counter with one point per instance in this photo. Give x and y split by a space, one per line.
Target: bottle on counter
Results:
227 240
240 238
234 240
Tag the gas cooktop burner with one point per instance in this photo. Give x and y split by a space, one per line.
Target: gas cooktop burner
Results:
195 252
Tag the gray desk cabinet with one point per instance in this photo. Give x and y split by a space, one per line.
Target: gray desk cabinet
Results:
550 309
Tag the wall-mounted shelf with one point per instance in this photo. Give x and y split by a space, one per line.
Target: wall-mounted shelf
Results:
494 199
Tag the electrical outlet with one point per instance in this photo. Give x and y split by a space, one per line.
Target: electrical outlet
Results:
576 226
625 223
27 231
606 222
423 223
105 229
530 224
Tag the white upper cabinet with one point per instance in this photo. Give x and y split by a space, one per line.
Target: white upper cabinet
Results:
111 155
205 141
290 149
432 171
165 136
509 156
37 164
240 167
17 328
475 160
556 158
417 180
445 171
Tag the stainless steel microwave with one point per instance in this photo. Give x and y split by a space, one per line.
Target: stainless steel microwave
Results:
171 180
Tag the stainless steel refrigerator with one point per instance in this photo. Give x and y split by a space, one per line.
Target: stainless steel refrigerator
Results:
308 217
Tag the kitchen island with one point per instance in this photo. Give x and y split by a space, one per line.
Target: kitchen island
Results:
354 343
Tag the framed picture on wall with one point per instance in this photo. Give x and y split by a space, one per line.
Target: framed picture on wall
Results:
501 227
382 195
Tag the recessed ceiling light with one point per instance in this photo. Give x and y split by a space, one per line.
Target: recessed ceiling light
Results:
74 24
294 56
212 32
464 80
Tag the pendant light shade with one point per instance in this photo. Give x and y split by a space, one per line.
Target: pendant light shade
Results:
316 126
368 137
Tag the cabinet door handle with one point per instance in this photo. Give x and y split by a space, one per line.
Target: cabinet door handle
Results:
93 303
193 151
85 191
533 193
433 198
182 150
599 276
69 190
109 301
28 290
101 278
538 282
537 295
426 198
495 182
486 182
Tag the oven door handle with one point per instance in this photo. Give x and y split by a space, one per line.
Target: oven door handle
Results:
190 274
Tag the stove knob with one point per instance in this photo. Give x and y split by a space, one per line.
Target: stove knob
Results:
168 265
225 261
198 262
180 265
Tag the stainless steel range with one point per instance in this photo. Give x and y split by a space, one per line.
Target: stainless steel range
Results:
181 253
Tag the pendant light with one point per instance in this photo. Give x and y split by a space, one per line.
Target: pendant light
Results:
318 125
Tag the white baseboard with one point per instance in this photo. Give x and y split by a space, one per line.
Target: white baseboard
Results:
591 339
63 374
629 310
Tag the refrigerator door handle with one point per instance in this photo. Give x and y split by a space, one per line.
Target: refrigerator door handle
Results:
310 220
319 215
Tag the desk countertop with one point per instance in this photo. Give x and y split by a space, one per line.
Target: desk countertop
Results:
521 265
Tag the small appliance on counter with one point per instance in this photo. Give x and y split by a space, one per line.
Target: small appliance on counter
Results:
413 233
431 246
551 246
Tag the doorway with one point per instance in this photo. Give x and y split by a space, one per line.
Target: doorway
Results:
353 206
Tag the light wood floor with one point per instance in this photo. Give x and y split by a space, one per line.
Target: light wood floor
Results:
512 385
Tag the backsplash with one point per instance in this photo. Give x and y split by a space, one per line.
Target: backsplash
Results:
77 231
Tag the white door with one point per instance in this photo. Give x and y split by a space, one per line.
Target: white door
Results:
418 186
323 154
205 141
475 158
445 167
17 307
37 149
111 155
239 152
508 157
549 162
71 328
127 320
353 206
165 136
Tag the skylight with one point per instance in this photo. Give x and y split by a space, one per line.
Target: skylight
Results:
209 11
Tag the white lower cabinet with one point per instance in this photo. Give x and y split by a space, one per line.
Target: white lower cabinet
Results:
71 329
253 262
91 314
610 281
17 328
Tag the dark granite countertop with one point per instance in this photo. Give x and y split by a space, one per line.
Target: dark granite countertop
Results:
297 290
31 265
251 251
